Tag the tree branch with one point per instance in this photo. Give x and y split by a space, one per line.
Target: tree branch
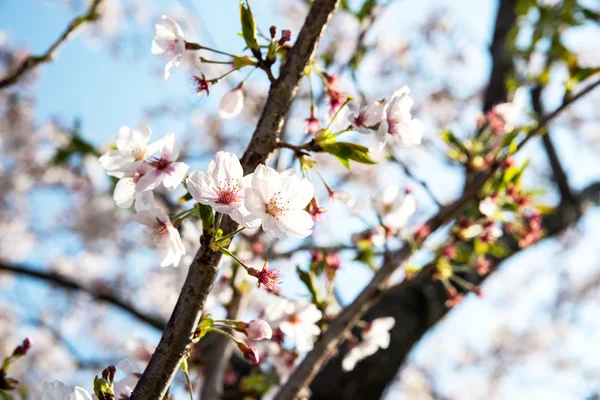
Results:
502 64
30 63
558 172
96 293
176 339
329 341
416 308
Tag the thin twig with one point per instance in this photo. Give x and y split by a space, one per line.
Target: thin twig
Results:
412 176
32 62
98 294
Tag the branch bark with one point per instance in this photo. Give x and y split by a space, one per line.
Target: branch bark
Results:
176 339
416 308
329 341
30 63
502 64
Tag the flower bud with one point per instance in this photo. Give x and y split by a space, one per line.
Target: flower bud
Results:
250 353
257 329
23 348
286 36
273 31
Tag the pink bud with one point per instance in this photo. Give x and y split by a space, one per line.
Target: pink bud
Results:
250 353
273 31
257 329
23 348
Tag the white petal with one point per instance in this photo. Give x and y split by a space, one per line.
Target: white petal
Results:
149 181
296 223
173 26
225 168
124 192
201 188
266 182
231 104
173 178
116 160
169 150
80 394
297 193
144 201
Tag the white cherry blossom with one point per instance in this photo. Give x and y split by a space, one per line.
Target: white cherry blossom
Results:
375 336
297 320
160 235
132 146
398 127
231 103
169 43
512 112
488 207
125 192
59 391
393 208
223 186
277 201
367 116
164 169
134 370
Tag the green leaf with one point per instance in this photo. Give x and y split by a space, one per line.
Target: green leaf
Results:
248 26
481 247
498 249
204 326
207 216
184 365
308 279
345 151
4 395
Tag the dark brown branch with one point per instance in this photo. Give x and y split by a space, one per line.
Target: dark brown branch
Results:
502 64
31 62
558 172
175 342
329 341
97 293
416 308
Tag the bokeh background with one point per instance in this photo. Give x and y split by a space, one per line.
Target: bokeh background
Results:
533 334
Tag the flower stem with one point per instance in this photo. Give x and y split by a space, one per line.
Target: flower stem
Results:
184 214
348 100
207 61
236 259
189 384
230 235
217 226
230 336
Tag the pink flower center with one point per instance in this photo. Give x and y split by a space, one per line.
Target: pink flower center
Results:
276 207
160 164
228 192
161 230
360 120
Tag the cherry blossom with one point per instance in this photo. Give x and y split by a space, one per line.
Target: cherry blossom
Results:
511 112
125 192
169 44
160 235
134 370
164 169
488 207
375 336
257 329
393 208
223 186
277 201
132 146
297 321
59 391
367 116
231 103
398 126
